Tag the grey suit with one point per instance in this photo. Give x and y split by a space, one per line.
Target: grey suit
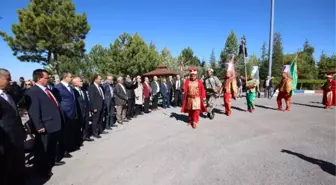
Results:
155 94
120 101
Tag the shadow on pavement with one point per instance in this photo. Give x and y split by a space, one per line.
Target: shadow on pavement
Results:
316 102
324 165
265 107
218 111
179 117
238 108
307 105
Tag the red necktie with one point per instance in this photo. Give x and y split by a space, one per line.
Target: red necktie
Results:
51 97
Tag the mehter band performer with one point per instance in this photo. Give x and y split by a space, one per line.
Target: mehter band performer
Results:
327 92
194 98
285 92
230 91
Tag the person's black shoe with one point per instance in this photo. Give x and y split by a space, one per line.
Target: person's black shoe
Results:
67 155
104 132
97 137
60 163
108 128
88 139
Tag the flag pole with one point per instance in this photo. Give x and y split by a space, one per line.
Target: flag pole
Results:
271 40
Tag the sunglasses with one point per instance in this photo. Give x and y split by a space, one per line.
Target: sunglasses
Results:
28 84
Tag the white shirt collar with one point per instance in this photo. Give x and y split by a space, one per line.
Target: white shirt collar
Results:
41 87
65 83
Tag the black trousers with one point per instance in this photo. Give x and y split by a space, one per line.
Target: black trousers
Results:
97 122
146 105
178 98
69 134
109 114
155 101
85 132
138 109
12 164
130 108
45 151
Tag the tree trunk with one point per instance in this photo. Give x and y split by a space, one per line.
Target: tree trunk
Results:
55 68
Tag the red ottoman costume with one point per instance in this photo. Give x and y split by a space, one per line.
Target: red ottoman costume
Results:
194 98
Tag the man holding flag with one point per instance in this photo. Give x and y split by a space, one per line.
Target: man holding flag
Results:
251 84
287 85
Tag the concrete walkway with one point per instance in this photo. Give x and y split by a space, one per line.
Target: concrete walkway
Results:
244 149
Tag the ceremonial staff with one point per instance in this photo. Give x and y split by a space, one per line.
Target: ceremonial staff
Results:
242 50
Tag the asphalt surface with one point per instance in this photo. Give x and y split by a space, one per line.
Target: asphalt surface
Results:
245 148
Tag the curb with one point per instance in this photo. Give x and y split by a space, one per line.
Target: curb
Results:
303 92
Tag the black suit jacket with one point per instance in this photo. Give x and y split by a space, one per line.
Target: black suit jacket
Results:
120 95
170 85
96 100
11 127
83 106
43 112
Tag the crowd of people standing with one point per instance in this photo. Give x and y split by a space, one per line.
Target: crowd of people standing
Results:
65 115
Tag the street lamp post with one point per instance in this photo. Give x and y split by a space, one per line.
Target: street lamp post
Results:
271 40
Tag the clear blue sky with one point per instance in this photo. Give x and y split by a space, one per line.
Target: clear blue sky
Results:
202 25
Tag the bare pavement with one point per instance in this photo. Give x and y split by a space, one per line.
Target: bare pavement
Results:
267 147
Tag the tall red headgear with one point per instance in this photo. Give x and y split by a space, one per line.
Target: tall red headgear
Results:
329 75
193 70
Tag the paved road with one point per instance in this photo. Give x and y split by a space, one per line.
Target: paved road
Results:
245 148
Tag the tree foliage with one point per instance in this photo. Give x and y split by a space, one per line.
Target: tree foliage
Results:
278 56
231 47
213 62
46 31
188 58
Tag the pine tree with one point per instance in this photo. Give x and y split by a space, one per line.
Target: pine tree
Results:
213 62
46 31
231 47
264 62
277 57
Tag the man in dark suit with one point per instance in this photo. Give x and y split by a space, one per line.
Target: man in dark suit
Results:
130 86
96 95
178 88
155 92
120 100
65 94
165 93
82 109
12 136
46 117
109 102
170 84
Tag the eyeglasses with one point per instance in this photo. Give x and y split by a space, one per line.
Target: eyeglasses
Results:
28 84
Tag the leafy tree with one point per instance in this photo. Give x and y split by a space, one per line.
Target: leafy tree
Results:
264 52
326 64
170 61
98 59
231 47
278 56
46 31
213 62
188 58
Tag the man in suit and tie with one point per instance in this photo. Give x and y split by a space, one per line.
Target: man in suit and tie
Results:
12 136
109 102
178 88
155 93
120 100
96 96
66 97
165 93
170 84
46 117
82 109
